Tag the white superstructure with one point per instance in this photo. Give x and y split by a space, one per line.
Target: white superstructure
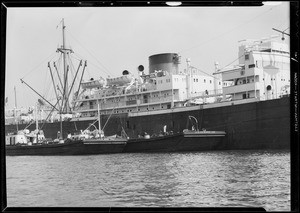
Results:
262 73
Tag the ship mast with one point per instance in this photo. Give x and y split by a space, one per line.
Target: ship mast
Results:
65 92
65 108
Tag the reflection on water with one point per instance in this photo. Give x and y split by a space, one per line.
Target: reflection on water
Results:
207 179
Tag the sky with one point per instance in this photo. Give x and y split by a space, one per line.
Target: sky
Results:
114 39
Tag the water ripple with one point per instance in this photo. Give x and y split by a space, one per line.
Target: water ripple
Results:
207 179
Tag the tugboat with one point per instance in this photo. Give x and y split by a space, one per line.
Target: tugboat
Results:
200 140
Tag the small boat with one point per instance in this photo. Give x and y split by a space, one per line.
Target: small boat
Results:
20 144
85 143
99 143
188 140
200 140
95 143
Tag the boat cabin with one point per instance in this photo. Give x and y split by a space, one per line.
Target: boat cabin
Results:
16 139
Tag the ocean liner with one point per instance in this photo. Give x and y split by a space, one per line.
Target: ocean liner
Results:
249 101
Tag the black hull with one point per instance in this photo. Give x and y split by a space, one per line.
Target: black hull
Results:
203 143
69 148
157 144
256 125
169 143
174 143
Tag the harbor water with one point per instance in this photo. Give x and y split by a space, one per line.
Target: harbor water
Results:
194 179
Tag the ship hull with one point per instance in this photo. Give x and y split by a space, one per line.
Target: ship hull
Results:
255 125
69 148
201 141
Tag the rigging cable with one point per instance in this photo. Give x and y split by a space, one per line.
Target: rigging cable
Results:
232 62
71 67
111 74
205 73
107 70
50 56
46 87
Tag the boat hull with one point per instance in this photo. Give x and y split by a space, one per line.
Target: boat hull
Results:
69 148
201 141
156 144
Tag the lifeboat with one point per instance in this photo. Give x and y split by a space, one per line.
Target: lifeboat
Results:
93 83
122 80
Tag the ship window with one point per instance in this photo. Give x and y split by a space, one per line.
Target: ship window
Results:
209 81
204 80
244 96
248 95
248 80
219 83
251 65
269 87
247 57
244 81
127 124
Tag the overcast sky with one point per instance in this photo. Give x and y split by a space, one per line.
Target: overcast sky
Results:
115 39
